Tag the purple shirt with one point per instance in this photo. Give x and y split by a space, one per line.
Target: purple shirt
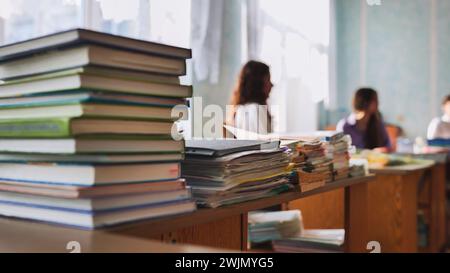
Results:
348 126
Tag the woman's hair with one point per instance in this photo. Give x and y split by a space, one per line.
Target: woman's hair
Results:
250 88
250 85
374 133
446 99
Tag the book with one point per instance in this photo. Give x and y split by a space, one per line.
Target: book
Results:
84 55
104 145
98 204
87 96
70 191
91 82
68 127
83 36
96 220
105 72
88 174
219 148
88 110
313 241
91 158
439 142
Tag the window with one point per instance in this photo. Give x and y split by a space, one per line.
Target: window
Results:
166 21
23 19
294 39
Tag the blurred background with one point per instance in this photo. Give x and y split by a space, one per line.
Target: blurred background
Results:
320 51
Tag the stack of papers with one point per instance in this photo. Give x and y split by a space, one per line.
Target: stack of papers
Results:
338 148
268 226
235 177
313 166
313 241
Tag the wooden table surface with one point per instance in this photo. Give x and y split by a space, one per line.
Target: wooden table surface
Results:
403 169
21 236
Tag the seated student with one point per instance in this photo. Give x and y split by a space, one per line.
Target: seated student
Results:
439 128
249 102
365 125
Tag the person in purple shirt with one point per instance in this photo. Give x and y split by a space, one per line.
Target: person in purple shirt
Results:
365 125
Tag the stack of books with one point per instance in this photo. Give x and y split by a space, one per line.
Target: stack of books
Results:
314 167
224 172
267 226
338 149
313 241
86 129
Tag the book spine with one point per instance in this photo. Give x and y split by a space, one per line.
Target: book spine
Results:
35 128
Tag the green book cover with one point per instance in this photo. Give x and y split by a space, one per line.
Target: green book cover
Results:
58 128
51 128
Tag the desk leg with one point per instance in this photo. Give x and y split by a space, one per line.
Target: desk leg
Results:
437 229
244 228
225 233
356 215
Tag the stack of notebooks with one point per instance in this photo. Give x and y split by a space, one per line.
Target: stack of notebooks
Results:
86 129
267 226
223 172
312 241
338 147
314 167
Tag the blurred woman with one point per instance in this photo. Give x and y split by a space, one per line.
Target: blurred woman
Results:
439 128
249 109
365 125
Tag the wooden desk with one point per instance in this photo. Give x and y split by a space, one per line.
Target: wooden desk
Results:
433 200
20 236
224 228
392 207
227 226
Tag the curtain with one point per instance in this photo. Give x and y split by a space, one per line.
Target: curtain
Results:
206 39
332 99
296 40
254 35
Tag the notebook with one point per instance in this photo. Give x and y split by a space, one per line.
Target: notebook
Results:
219 148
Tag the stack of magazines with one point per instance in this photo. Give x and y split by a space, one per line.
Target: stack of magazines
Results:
224 172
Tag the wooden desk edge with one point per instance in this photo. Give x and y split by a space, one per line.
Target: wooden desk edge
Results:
201 216
394 171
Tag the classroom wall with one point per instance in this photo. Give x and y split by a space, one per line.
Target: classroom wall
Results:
401 48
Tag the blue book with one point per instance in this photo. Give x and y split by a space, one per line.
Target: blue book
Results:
440 142
92 220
